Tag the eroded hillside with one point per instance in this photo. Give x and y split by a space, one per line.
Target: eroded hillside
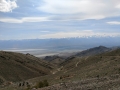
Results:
17 66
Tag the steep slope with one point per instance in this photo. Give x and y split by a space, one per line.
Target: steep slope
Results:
107 63
54 59
97 72
86 53
16 66
77 68
93 51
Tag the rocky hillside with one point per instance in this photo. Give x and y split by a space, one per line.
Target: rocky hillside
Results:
54 59
17 66
97 72
93 51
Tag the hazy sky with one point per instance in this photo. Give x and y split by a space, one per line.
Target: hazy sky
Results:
31 19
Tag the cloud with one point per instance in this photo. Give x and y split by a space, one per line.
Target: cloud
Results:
10 20
45 31
84 33
66 10
82 9
7 5
24 19
35 19
114 23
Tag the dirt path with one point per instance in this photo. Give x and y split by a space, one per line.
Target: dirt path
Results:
79 61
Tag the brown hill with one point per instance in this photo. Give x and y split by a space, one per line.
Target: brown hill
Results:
98 72
102 64
17 66
93 51
56 60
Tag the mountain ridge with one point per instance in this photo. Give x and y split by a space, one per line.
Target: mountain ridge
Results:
17 66
93 51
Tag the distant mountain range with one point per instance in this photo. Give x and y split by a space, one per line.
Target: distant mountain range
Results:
45 47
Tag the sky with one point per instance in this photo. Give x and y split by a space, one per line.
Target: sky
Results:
41 19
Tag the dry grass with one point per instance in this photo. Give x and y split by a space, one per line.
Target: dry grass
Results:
17 67
99 72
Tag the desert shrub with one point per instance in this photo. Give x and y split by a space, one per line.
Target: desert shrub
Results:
27 88
1 81
41 84
45 83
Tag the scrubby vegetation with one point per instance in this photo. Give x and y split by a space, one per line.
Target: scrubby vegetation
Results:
1 81
17 67
39 84
96 72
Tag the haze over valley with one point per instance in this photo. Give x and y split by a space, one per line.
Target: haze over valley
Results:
59 44
48 47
